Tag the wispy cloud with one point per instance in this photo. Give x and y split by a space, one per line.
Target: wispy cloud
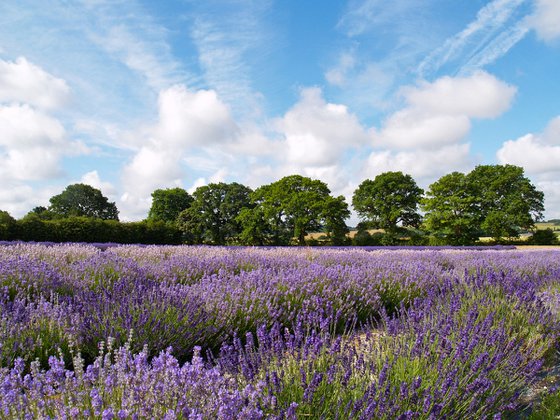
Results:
364 15
130 35
498 26
499 46
226 43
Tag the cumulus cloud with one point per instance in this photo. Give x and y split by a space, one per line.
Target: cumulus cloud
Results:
440 113
192 118
537 153
32 143
23 126
480 96
188 121
315 133
92 178
23 82
551 190
150 169
546 19
420 164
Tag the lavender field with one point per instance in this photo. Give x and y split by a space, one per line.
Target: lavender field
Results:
224 333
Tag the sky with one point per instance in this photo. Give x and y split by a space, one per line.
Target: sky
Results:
134 95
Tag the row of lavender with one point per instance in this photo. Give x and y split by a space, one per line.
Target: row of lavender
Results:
294 332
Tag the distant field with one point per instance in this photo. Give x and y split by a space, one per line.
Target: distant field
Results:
547 225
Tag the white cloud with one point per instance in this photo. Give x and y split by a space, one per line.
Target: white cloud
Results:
228 43
338 75
317 133
150 169
499 46
24 82
495 30
188 118
149 55
17 199
32 144
92 178
421 163
411 128
531 153
23 127
480 95
551 190
546 19
188 122
439 113
537 153
364 15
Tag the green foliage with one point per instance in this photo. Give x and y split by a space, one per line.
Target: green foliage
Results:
494 199
266 222
390 199
506 199
548 407
42 213
168 204
7 226
83 200
335 212
450 210
87 229
291 208
41 331
213 215
544 237
255 230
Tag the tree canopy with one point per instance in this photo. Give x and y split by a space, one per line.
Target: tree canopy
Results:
389 199
291 208
451 210
491 200
168 203
83 200
506 200
212 215
497 200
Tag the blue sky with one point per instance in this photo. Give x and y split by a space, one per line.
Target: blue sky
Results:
130 96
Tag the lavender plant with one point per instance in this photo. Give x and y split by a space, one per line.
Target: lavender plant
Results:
437 333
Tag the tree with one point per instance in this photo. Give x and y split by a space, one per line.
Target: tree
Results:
451 210
291 208
168 204
255 229
506 201
335 212
42 213
213 215
7 226
544 237
265 223
391 198
83 200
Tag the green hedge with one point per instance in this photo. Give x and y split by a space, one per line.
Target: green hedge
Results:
85 229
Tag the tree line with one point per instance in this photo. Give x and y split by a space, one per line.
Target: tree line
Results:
491 200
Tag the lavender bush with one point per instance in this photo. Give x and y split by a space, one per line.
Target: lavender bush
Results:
207 332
